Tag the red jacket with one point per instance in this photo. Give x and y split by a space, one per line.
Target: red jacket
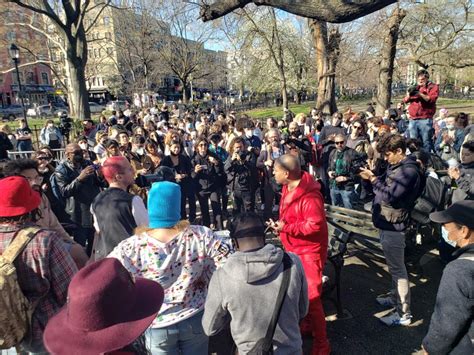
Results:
419 108
305 230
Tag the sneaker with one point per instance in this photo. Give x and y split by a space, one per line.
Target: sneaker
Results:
394 319
386 301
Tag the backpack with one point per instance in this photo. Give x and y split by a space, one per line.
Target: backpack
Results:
432 198
15 309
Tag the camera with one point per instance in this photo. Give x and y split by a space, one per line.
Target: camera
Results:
413 90
163 173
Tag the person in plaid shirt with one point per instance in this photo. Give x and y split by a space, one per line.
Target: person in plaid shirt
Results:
44 268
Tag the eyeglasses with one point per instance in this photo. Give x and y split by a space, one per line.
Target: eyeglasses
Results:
339 143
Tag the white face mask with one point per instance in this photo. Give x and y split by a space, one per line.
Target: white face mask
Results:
249 134
83 146
444 235
140 151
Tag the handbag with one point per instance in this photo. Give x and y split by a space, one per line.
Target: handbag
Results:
264 346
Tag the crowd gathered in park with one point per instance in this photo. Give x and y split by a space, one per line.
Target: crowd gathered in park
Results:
147 232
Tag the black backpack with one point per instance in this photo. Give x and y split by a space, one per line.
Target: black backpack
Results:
432 198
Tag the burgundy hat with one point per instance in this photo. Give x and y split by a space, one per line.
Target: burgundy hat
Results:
17 197
107 309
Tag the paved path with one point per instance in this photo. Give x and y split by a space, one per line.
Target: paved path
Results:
364 277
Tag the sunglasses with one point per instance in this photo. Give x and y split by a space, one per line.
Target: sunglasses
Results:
358 127
44 158
339 143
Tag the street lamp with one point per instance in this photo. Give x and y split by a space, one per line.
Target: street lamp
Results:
15 56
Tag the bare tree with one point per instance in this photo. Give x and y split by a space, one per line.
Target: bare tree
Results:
322 10
387 58
326 44
183 50
67 20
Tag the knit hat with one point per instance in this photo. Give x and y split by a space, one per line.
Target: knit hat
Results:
164 204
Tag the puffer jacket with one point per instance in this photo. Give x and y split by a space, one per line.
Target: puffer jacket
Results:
302 210
395 194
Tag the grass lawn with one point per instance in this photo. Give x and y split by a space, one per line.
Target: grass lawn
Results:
453 105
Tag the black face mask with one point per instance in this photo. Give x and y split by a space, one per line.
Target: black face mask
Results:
78 159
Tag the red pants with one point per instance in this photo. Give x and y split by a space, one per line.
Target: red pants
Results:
315 323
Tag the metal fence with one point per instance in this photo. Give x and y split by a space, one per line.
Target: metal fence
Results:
12 155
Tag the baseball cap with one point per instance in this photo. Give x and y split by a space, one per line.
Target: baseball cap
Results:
461 212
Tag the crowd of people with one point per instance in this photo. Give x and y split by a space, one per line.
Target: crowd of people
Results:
118 218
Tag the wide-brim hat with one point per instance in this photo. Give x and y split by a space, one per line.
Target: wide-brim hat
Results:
17 197
107 310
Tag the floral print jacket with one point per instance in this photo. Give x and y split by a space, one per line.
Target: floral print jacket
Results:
183 267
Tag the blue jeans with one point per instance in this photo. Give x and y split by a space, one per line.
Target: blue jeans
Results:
183 338
347 196
422 130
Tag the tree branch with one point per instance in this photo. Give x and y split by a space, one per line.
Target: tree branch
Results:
335 11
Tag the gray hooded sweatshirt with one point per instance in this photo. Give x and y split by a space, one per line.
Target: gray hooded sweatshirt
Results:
244 291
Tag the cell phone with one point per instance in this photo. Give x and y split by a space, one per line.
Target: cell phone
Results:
96 166
204 167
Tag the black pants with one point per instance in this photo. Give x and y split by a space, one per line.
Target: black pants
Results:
244 201
215 198
187 195
85 237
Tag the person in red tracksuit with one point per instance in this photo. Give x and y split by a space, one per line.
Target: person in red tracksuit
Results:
303 231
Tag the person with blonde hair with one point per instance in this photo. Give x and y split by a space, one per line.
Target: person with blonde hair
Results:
182 258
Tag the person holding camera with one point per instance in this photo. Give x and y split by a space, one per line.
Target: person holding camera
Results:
207 173
342 162
396 192
241 170
183 168
299 145
422 107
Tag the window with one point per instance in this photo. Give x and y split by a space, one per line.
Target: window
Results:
45 78
30 77
106 20
11 36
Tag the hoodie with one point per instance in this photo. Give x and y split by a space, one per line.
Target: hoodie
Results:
243 293
302 210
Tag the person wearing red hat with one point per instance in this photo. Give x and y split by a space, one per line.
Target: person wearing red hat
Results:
108 311
44 267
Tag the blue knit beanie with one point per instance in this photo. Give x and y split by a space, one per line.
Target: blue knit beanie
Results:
164 204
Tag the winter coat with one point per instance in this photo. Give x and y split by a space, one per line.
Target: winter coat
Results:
302 210
451 328
243 292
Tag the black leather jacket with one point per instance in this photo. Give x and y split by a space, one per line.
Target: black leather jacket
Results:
78 195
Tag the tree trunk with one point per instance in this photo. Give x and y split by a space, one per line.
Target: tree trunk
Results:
185 92
284 94
327 52
384 84
76 58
